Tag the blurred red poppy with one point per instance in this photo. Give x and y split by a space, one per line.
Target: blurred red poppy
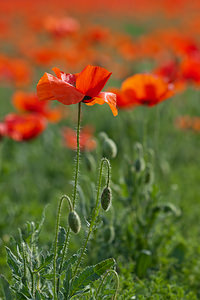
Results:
146 89
87 142
187 122
29 102
70 89
61 27
170 72
190 70
23 127
124 98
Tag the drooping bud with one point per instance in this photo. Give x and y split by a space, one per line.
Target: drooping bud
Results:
109 148
139 149
139 164
103 136
106 198
74 221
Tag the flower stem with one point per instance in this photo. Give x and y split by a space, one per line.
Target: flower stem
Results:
63 257
95 211
104 278
56 246
78 155
56 240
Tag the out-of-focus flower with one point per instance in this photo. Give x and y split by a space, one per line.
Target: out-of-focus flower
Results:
147 89
29 102
61 27
170 72
143 89
124 98
87 141
16 71
188 123
70 89
97 34
190 70
23 127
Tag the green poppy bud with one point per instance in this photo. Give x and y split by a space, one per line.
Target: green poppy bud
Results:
139 149
103 136
106 198
109 148
74 221
139 164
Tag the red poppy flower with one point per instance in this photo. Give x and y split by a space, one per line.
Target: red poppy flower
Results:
61 27
87 141
170 72
124 98
29 102
187 122
190 70
146 89
70 89
24 127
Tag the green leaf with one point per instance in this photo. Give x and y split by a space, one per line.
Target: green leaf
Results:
6 288
179 252
104 265
70 261
90 274
13 262
143 262
61 239
66 283
46 262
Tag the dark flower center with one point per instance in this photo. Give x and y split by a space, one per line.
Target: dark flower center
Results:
86 99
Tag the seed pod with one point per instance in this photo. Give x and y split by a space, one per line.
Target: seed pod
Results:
106 198
139 164
74 221
109 148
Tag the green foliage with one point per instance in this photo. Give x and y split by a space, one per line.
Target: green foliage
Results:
32 270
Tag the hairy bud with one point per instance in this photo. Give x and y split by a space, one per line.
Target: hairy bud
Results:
74 221
109 148
106 198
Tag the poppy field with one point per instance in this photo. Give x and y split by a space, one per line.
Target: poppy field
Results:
99 149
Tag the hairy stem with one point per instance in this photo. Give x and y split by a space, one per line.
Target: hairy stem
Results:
117 283
56 240
63 257
78 154
95 211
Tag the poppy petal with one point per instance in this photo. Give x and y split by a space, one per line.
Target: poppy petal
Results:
50 87
108 98
67 77
91 80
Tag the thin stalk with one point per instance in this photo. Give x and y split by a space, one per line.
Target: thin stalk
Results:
95 211
63 257
56 239
24 261
117 283
33 284
77 155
